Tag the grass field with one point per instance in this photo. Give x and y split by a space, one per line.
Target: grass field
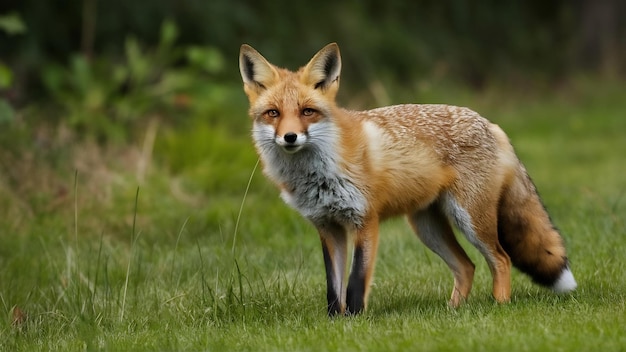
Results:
101 252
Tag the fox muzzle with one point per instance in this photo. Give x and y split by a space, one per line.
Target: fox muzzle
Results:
291 142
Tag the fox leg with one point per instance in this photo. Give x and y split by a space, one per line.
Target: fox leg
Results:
486 240
335 248
480 227
435 232
499 262
365 247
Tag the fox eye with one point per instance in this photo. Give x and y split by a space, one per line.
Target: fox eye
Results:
272 113
308 112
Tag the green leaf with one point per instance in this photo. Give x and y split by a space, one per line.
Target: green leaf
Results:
137 62
169 33
12 23
210 60
6 76
6 112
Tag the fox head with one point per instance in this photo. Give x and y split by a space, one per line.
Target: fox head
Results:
287 106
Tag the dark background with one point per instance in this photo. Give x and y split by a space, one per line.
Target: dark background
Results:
469 42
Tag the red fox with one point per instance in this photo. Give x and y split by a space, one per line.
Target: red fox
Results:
441 166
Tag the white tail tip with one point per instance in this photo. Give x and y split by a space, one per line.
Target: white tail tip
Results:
565 283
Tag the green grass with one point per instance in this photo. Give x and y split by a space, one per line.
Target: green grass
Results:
119 263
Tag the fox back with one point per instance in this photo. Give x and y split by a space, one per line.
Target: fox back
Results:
441 166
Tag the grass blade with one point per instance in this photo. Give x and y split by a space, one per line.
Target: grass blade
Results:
242 203
132 246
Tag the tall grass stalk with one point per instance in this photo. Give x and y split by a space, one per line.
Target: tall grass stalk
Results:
76 243
243 201
180 233
133 240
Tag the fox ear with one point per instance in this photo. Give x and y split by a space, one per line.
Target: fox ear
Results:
257 73
324 68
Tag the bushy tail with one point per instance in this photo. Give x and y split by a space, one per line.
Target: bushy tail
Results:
526 233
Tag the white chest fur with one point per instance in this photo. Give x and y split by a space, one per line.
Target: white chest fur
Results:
312 181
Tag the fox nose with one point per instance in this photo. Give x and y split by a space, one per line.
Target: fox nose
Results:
290 137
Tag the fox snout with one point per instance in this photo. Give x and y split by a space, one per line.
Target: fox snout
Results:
291 142
290 137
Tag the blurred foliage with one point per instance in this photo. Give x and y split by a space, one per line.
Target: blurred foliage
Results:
10 24
469 41
104 99
105 70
